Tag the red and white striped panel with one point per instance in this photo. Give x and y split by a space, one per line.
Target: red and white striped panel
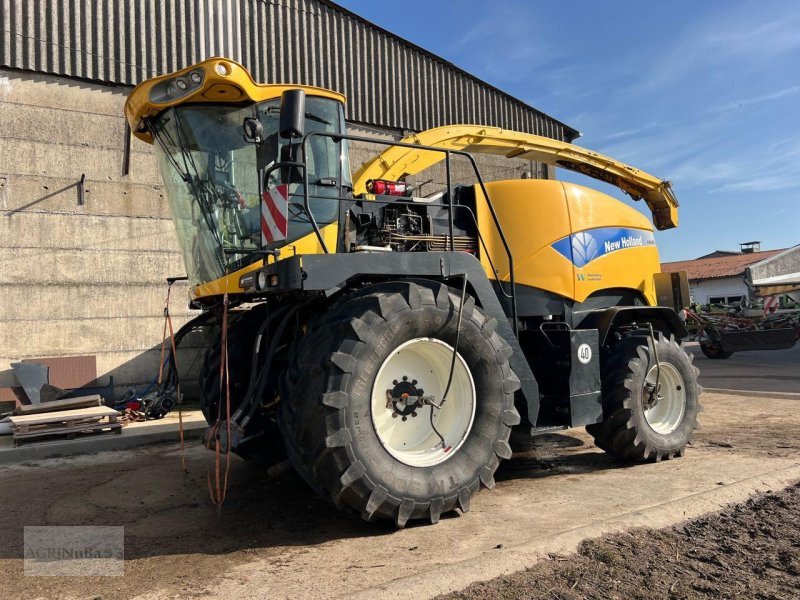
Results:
770 305
274 214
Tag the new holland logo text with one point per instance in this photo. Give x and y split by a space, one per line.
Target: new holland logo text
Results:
583 247
624 242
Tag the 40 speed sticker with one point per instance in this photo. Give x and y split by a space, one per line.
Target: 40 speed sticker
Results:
584 353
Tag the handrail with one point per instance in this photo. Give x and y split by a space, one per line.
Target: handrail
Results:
447 154
394 200
502 238
479 139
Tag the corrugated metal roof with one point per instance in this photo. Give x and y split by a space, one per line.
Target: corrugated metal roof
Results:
389 81
718 266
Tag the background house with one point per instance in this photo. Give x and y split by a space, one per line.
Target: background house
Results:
724 277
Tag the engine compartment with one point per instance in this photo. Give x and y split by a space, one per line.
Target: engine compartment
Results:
412 224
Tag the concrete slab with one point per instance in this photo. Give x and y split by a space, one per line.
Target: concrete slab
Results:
133 435
118 267
274 539
508 529
507 560
751 393
81 301
87 232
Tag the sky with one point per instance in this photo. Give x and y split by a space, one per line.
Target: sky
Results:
704 94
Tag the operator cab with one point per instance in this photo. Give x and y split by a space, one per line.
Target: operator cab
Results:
211 174
217 135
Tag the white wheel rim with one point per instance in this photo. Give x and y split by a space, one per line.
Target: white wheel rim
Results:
667 414
413 441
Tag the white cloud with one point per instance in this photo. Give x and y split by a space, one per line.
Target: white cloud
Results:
746 38
755 37
649 107
790 91
505 45
767 167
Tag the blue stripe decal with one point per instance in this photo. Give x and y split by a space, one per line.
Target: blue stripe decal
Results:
583 247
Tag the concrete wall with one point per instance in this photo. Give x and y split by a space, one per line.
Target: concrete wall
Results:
80 280
785 263
90 280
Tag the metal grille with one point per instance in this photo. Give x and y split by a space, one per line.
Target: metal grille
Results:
389 82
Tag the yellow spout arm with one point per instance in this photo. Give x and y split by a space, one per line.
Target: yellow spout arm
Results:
397 162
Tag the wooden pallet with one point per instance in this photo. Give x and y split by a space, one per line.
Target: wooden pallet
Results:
65 423
52 406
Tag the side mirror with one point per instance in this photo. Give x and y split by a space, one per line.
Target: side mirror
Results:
293 114
253 130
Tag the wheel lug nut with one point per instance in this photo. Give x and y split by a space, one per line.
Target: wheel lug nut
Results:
413 382
405 418
394 381
394 415
413 414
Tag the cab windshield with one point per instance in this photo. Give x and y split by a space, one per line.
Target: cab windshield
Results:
211 178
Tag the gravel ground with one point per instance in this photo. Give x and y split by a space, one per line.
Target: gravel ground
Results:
750 550
275 539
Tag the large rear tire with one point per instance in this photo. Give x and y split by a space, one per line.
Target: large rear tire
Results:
337 421
639 425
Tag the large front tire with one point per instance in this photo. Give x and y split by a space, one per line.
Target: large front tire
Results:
336 432
639 425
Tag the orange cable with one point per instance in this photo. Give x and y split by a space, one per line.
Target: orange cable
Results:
168 324
216 491
178 392
164 335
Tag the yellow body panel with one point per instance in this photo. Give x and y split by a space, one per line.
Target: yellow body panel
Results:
233 87
532 214
397 162
631 268
539 218
308 244
536 214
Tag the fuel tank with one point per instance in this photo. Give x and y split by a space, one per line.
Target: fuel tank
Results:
566 239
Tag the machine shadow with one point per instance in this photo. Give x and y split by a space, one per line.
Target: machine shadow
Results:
166 512
551 455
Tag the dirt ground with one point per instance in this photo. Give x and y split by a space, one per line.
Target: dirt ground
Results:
751 550
274 538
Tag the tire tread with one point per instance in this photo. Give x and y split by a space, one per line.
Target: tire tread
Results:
314 408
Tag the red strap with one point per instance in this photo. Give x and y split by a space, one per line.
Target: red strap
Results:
220 487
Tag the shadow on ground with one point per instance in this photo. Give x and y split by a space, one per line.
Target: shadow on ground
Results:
166 512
